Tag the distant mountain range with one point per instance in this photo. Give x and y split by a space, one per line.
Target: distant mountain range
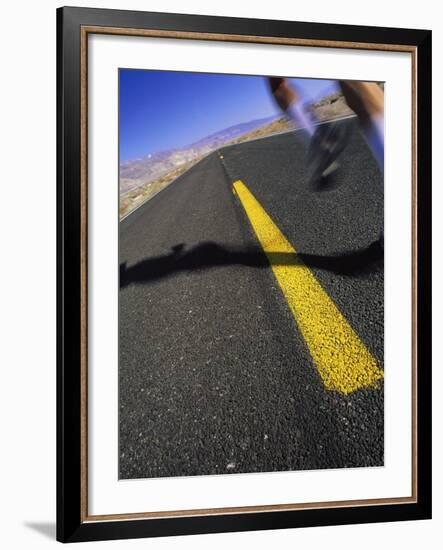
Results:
137 172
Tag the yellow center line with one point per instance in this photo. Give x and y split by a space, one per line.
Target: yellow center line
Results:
343 361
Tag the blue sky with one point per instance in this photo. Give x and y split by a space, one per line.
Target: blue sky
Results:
161 110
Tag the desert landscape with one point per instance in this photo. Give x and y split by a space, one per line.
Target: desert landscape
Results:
142 178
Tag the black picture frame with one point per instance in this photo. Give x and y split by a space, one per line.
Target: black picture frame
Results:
72 522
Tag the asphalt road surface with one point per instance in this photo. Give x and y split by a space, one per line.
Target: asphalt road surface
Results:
217 374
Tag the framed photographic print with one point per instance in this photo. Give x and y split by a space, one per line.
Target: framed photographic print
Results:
244 274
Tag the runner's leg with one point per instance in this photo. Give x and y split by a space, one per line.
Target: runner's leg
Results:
366 99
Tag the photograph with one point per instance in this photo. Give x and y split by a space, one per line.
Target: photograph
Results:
251 274
217 293
243 276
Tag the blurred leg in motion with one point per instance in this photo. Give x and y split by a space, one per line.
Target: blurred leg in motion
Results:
366 99
289 102
325 142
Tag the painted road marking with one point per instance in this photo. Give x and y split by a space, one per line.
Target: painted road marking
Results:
343 361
